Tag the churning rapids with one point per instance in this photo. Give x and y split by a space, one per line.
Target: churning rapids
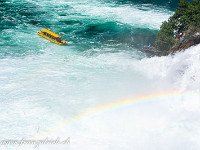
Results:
81 90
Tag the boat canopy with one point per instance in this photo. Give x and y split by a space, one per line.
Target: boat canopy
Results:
51 33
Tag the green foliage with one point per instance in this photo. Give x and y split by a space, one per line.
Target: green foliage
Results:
164 39
186 15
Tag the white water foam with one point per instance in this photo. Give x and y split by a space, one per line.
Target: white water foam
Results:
151 17
145 16
167 123
37 93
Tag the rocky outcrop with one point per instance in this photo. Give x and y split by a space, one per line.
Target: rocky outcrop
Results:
151 49
184 44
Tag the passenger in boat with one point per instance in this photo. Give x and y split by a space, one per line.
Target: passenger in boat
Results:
59 40
149 45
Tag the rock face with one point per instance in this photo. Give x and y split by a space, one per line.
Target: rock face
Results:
185 43
151 49
181 45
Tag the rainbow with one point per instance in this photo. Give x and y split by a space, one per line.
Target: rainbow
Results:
115 105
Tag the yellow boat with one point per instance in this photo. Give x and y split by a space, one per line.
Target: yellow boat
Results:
55 38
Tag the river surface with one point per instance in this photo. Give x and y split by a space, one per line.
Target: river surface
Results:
101 90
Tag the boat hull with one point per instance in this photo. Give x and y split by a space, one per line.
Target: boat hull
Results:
48 38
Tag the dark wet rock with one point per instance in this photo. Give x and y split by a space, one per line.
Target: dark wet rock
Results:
185 43
151 49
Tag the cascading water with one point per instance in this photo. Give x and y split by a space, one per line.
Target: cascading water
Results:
43 85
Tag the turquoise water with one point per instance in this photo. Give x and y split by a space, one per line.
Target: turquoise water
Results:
43 84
